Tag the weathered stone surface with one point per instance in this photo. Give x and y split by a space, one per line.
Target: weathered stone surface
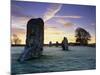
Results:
65 44
34 39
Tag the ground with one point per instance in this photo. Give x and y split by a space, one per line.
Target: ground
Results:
54 60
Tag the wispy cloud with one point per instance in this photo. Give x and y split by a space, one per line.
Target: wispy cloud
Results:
74 17
17 31
19 22
53 30
51 11
50 27
18 17
65 23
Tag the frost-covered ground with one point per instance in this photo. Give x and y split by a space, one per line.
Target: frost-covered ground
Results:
54 60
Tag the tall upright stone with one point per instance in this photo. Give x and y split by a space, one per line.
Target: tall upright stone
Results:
50 43
65 44
34 39
57 43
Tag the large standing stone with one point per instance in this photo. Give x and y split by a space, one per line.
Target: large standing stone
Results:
34 39
65 44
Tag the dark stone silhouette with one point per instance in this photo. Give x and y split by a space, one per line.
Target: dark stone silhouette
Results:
82 36
50 44
34 39
65 44
57 43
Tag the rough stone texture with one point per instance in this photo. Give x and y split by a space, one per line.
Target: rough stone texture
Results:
34 39
65 44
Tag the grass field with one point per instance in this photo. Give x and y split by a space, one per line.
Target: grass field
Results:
54 60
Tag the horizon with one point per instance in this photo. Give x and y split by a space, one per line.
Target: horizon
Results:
60 20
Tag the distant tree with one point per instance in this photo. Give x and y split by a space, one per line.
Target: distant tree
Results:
16 39
82 36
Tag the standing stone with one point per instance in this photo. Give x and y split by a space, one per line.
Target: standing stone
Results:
57 43
50 44
34 39
65 44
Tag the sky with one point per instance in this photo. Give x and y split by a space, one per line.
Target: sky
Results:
60 20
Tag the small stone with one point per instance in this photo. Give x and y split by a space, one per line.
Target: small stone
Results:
65 44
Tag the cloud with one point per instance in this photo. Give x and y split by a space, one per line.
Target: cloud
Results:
18 18
74 17
19 22
51 11
50 27
52 30
65 23
17 31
